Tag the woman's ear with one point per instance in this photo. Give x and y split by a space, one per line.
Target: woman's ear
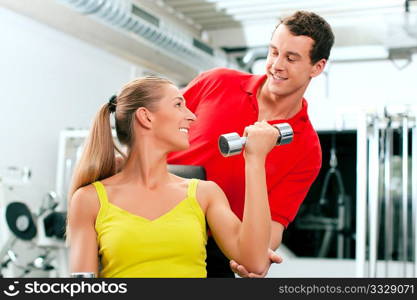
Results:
143 116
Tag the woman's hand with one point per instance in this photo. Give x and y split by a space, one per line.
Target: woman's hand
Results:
261 138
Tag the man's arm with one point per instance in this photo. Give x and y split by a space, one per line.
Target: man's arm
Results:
289 195
277 230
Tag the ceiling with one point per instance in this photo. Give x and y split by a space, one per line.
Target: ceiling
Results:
362 27
221 14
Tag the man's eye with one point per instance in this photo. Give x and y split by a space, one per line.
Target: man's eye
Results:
178 104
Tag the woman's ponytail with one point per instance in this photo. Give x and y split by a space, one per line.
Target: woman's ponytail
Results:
98 158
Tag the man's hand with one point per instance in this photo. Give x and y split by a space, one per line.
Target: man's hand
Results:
242 272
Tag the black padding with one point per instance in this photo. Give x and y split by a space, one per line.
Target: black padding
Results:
15 210
55 224
187 171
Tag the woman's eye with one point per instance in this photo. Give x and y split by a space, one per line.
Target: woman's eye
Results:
178 104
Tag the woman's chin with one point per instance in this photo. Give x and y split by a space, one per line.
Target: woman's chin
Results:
185 146
181 147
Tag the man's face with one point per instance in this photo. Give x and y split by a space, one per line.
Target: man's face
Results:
289 68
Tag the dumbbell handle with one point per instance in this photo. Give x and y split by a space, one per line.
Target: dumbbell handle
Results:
285 134
231 144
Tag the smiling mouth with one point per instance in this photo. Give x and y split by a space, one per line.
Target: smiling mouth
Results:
184 130
276 77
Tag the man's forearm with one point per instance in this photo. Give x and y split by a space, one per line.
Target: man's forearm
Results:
277 230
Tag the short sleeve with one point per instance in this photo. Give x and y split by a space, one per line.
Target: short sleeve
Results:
202 85
193 92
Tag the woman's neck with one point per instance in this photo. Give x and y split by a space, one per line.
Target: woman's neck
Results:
146 167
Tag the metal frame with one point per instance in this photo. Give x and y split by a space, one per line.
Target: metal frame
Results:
361 198
414 194
374 177
404 208
388 208
373 197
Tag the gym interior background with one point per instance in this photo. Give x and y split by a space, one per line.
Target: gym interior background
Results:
61 59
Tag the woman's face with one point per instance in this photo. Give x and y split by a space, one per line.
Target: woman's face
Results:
172 119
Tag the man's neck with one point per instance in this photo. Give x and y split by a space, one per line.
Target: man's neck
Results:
276 107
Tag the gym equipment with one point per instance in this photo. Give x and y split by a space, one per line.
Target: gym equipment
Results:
20 221
22 224
376 189
232 144
15 176
337 225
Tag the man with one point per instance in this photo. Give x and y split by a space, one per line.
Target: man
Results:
227 100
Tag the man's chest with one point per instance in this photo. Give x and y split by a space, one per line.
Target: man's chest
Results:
225 112
280 162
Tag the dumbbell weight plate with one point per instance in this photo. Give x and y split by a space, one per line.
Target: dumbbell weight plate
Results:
230 144
286 133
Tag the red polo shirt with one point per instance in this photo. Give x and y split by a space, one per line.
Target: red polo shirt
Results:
225 101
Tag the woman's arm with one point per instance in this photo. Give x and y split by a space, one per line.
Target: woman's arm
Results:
246 242
82 236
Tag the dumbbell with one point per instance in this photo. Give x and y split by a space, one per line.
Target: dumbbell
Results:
232 144
83 275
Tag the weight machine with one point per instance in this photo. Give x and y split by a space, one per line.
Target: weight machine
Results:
386 237
19 224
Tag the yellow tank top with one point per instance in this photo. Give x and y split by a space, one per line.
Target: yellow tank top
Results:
173 245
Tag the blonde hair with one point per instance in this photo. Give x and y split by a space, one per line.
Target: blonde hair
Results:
98 160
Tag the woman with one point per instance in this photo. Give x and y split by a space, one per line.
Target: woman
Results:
146 222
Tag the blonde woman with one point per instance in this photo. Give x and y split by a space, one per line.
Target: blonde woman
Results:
144 221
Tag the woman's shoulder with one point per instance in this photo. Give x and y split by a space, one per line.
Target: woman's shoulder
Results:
209 190
208 185
179 180
85 198
85 192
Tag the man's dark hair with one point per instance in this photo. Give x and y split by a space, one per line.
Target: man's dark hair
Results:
311 25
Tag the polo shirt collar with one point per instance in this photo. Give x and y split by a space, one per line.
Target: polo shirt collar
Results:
297 122
252 83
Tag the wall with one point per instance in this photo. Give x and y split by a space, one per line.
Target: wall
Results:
49 81
361 86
